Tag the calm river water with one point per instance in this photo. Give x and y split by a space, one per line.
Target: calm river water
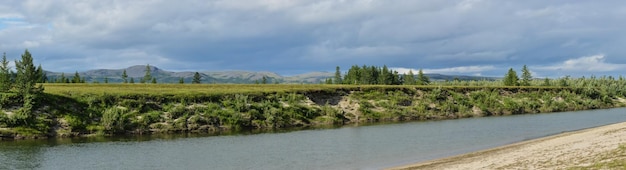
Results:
359 147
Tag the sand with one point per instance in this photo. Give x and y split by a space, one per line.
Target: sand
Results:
566 150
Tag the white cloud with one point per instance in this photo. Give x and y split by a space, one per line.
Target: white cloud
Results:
591 64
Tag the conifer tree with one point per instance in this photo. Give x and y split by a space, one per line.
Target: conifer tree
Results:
409 79
132 80
511 79
338 76
76 78
148 76
181 81
197 79
526 76
5 75
125 76
154 81
26 80
422 79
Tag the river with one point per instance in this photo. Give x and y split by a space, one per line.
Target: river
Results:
350 147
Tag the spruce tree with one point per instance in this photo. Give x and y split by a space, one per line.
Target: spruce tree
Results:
132 80
181 81
125 76
338 76
76 78
197 79
154 81
526 76
106 80
409 79
422 79
148 76
5 75
26 80
511 79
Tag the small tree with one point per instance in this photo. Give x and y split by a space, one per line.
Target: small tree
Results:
26 80
197 79
409 79
148 76
526 76
338 75
181 81
5 75
422 79
511 79
264 80
154 81
106 80
125 76
76 78
132 80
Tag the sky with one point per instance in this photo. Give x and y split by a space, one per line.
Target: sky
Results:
553 38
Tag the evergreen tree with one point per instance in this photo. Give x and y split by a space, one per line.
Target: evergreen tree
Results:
384 76
197 79
41 76
422 79
26 80
338 79
148 76
526 76
76 78
62 79
181 81
264 80
106 80
132 80
125 76
154 81
511 79
5 75
329 81
409 79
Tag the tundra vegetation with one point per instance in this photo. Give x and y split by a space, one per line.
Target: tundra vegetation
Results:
364 94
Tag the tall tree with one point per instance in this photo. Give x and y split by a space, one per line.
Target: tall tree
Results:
526 76
338 79
422 79
264 80
197 79
5 75
41 75
409 79
125 76
511 79
148 76
26 80
76 78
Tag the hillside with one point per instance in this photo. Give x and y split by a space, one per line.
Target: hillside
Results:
229 77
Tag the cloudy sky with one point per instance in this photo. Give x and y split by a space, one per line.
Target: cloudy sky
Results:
463 37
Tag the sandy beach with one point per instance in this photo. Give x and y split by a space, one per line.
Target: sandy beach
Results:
599 147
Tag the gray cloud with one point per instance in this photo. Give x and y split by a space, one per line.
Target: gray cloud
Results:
294 36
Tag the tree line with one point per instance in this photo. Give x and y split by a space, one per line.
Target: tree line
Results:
377 75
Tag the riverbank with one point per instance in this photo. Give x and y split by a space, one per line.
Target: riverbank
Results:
67 110
595 148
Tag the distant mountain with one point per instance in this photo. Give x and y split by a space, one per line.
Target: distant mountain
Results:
239 77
